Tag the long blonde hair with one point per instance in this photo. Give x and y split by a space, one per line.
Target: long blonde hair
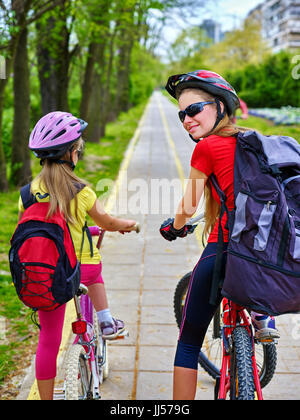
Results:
225 128
60 182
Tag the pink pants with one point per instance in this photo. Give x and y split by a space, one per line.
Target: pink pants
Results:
52 325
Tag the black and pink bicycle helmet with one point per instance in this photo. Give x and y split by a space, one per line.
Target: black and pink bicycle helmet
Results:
54 134
208 81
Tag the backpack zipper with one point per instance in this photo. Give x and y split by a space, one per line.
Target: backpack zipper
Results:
259 200
38 264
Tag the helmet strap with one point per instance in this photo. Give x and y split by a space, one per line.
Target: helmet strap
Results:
60 162
220 114
195 140
70 163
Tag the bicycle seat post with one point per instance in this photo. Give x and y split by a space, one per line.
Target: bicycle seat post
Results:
77 306
82 290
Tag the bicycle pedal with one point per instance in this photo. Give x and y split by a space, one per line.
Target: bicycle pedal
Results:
268 341
59 394
123 335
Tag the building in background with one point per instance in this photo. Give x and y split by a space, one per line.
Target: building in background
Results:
280 21
212 30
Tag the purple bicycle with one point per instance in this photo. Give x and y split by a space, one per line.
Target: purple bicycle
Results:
87 359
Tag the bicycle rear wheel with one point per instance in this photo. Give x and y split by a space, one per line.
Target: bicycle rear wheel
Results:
210 358
78 375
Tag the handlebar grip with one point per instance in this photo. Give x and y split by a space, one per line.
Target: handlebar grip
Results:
95 230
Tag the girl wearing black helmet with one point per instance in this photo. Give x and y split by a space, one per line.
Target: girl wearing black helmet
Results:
207 103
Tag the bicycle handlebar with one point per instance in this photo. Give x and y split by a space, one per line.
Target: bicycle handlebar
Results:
136 228
199 218
96 230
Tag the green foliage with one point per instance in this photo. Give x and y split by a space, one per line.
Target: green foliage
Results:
19 329
146 74
269 83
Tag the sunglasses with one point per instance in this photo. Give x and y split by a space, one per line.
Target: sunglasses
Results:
193 110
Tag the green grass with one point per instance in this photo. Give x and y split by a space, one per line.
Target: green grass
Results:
101 160
20 333
268 128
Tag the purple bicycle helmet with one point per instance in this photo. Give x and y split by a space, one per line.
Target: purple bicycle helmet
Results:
54 134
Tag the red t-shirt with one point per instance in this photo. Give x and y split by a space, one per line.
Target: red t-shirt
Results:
215 154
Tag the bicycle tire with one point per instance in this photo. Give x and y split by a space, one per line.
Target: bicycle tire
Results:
242 385
179 297
78 375
102 349
266 359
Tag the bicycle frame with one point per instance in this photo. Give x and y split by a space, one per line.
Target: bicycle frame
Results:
234 315
83 326
90 338
87 339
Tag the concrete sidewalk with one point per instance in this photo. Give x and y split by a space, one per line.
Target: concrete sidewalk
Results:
141 272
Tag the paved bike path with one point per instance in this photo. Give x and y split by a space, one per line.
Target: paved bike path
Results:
141 271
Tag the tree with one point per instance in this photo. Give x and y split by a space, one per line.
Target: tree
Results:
16 15
54 55
20 158
240 47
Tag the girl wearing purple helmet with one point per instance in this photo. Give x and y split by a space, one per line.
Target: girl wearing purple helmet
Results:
206 102
56 140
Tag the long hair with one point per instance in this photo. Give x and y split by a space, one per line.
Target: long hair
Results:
225 128
61 184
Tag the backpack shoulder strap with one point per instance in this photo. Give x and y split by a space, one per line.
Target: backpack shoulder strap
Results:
217 276
27 197
79 186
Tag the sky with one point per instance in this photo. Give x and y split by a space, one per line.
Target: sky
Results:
232 12
229 13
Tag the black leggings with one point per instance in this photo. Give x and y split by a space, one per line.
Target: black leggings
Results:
198 312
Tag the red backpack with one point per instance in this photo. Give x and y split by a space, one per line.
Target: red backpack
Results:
44 267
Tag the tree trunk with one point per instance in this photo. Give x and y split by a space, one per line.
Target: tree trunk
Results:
87 87
95 130
126 40
122 97
21 171
53 61
91 107
3 175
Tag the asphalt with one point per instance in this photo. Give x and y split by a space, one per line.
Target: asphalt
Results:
141 271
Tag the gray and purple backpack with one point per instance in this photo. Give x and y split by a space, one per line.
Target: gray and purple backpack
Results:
263 260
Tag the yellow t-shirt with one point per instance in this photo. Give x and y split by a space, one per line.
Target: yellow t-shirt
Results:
85 200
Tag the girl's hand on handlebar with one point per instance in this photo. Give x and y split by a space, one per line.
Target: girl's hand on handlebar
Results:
169 233
132 226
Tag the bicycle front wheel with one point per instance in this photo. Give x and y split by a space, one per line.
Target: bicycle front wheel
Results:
210 357
241 369
78 375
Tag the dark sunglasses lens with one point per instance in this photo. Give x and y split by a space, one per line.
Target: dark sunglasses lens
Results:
191 111
194 109
181 115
